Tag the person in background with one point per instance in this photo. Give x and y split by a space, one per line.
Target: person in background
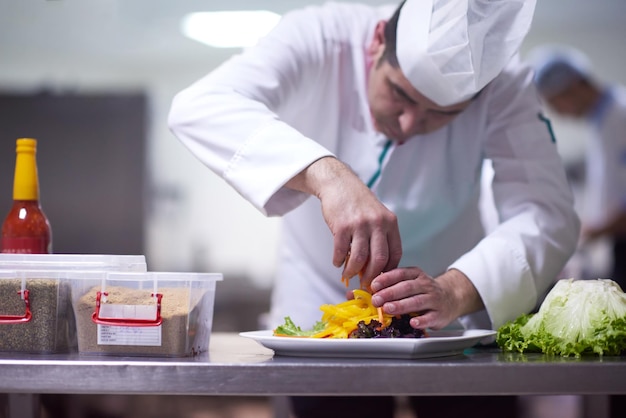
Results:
565 81
366 128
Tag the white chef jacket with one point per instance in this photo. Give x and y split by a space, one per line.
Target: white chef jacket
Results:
300 94
605 193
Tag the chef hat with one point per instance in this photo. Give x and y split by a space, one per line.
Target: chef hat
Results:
558 67
450 49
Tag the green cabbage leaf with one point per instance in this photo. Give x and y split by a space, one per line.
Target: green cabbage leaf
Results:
576 318
289 328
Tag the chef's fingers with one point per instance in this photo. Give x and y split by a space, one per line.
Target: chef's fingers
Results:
431 312
415 303
359 255
385 254
390 278
406 296
410 291
429 319
394 244
404 290
378 258
341 250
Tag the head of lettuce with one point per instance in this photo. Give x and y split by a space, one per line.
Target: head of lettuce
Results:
577 317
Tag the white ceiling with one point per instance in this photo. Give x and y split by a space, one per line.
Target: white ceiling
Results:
135 33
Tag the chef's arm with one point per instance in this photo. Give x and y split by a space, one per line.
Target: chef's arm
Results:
463 294
361 225
538 229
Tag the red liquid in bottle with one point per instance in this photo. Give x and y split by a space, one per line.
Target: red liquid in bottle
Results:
26 229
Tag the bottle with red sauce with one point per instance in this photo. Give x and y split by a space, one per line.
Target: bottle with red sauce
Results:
26 229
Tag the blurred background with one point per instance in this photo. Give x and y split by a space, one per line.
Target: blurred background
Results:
93 81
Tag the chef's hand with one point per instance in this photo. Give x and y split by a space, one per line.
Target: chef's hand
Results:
361 225
615 225
588 235
437 301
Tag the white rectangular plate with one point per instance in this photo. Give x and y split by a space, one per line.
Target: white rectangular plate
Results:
437 344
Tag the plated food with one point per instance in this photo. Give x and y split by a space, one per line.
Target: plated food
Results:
438 344
357 329
355 318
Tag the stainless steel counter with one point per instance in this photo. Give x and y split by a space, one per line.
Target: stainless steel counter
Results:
239 366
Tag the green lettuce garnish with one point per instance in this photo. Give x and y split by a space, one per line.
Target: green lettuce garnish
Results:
289 328
577 317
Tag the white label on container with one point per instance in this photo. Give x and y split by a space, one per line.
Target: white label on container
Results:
123 335
140 336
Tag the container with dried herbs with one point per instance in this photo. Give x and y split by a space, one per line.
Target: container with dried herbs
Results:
35 312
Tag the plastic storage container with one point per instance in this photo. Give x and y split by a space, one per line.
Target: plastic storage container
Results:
160 314
35 312
51 327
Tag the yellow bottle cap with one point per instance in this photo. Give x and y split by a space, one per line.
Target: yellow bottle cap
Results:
26 182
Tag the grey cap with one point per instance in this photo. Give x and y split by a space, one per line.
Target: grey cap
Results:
557 68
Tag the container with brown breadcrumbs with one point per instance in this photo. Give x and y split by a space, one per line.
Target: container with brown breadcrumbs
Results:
156 314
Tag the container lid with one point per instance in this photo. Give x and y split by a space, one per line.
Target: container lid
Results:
163 276
31 274
72 262
40 274
8 274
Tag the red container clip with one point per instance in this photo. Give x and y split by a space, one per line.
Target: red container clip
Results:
19 319
127 322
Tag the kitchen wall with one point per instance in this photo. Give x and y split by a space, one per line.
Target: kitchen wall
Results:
194 221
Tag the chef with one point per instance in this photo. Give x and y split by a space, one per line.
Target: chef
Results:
566 82
366 130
